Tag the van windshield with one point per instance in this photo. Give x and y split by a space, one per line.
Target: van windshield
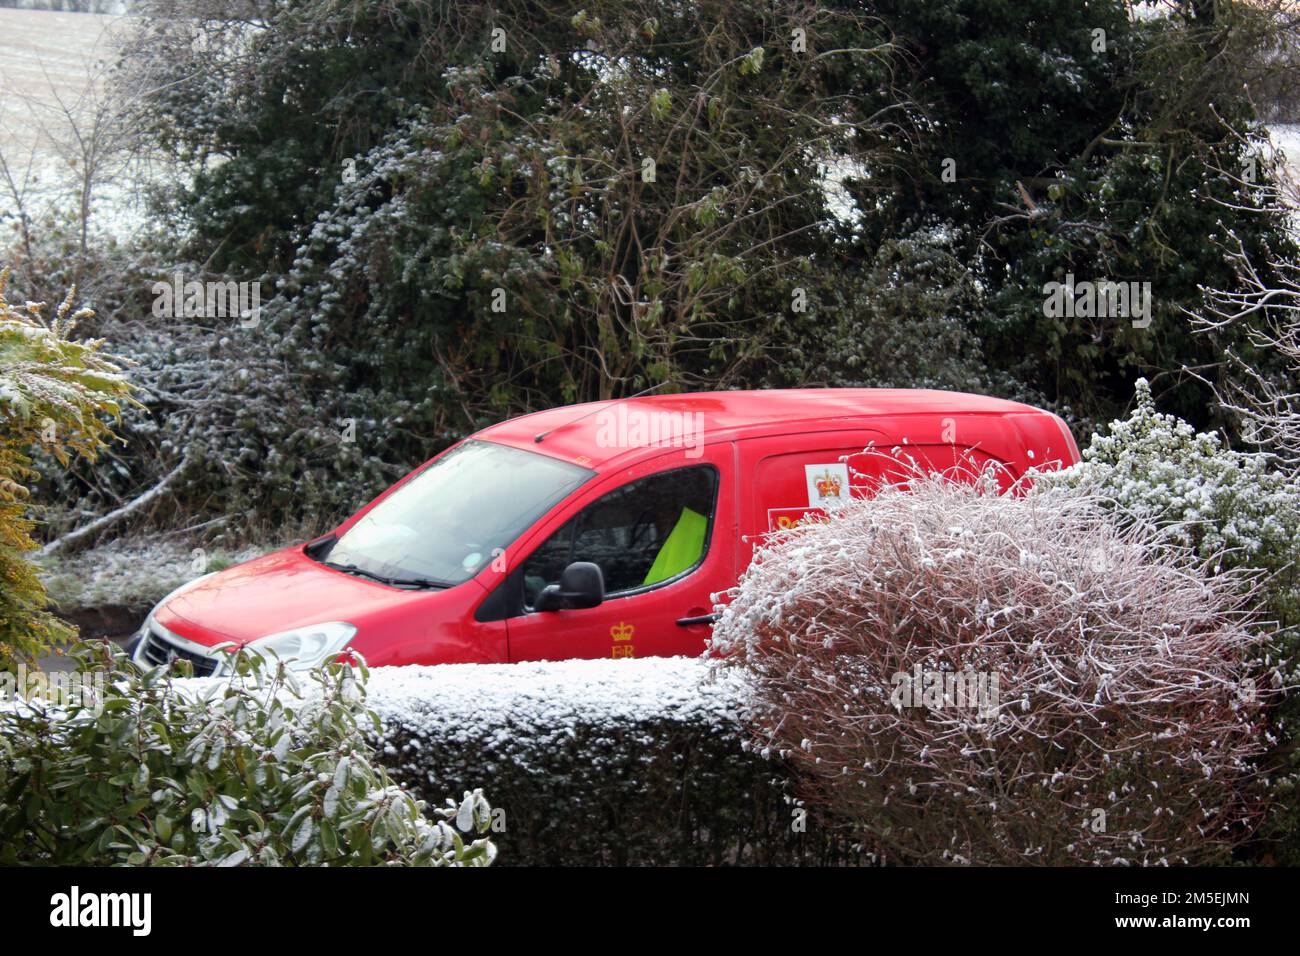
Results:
444 525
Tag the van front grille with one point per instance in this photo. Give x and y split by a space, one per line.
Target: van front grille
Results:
158 650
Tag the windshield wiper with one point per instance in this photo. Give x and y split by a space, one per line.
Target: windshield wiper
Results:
421 583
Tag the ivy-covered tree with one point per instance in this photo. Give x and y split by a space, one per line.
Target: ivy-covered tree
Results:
1076 139
471 210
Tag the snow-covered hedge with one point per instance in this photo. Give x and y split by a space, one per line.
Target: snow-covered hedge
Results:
595 762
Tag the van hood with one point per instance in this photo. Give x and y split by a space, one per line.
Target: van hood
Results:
274 593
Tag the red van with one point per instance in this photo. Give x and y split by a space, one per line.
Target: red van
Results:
598 530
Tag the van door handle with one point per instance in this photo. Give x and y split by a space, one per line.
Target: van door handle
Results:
702 619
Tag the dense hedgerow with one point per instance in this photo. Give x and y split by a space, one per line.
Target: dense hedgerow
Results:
602 762
961 676
251 770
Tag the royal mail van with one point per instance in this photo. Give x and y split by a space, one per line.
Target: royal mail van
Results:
598 530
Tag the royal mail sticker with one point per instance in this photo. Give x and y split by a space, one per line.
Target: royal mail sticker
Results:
784 519
827 484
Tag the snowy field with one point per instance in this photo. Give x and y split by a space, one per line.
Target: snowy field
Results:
52 66
45 58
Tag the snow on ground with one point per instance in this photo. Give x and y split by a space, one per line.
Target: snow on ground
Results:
134 572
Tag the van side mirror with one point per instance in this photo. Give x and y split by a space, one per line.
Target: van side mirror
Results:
581 585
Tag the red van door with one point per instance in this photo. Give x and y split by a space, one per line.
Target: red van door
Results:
794 477
664 534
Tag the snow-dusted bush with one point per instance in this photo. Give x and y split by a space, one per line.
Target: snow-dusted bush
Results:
1238 509
916 298
961 676
596 762
225 429
251 770
1235 507
223 415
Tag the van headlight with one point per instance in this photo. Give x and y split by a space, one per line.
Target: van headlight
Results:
305 647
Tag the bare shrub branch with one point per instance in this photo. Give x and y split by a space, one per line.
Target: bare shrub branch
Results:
1111 696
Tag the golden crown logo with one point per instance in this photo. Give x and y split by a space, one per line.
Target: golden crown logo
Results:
828 486
622 631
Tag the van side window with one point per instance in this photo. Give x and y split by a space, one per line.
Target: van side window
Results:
644 533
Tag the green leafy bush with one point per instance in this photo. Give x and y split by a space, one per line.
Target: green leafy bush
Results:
254 770
900 321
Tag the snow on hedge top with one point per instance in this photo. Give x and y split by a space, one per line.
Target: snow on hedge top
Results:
497 703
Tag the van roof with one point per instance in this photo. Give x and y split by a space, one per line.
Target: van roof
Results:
571 432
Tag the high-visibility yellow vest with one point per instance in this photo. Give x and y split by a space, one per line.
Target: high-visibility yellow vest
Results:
682 549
